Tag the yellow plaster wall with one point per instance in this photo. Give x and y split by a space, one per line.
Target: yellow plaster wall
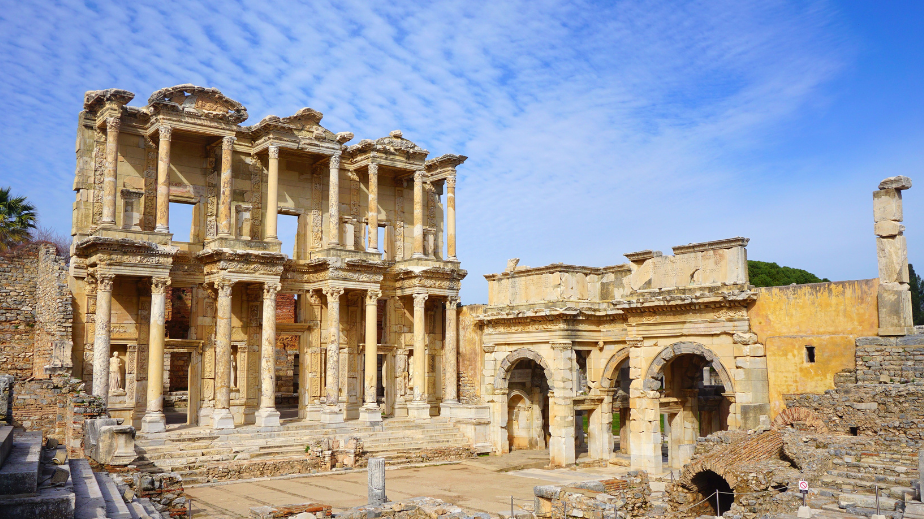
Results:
828 316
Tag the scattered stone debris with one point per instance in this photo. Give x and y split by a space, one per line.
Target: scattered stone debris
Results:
415 508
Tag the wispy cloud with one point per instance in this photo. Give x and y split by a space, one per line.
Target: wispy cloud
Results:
593 128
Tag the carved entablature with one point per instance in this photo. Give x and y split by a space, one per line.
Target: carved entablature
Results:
394 151
686 304
200 101
318 273
241 265
106 103
125 257
186 265
440 280
300 131
444 166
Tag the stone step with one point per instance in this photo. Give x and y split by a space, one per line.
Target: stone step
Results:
878 468
115 505
6 442
148 507
324 429
881 479
842 486
89 502
239 435
20 471
850 500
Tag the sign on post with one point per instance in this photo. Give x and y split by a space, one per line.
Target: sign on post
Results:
803 486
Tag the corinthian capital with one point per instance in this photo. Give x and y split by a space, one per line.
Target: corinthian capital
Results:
270 290
451 181
452 302
273 152
159 285
166 132
420 300
420 175
224 287
227 143
113 124
333 293
335 161
373 169
104 282
372 296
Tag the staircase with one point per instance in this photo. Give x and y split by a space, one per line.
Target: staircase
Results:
190 451
33 487
858 470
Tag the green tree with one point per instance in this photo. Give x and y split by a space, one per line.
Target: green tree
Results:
917 288
764 274
17 219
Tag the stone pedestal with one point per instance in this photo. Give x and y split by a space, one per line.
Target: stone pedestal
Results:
331 414
377 481
448 409
313 412
267 418
222 419
371 414
418 410
154 422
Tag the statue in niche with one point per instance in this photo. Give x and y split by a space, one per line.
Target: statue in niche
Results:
234 370
115 374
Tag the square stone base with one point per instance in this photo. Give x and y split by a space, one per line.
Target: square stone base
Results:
331 415
154 422
222 419
267 418
448 409
418 410
313 412
371 414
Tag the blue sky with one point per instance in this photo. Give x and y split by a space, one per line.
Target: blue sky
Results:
593 129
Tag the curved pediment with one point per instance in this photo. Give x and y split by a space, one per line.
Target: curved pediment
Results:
207 102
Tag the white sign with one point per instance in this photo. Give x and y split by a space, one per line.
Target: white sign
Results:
803 485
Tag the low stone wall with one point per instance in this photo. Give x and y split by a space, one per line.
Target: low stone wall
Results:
319 511
416 508
890 359
432 455
611 498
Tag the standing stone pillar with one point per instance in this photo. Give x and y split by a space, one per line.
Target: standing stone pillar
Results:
224 209
419 408
102 335
267 415
154 420
334 200
373 208
450 359
331 412
221 415
561 406
163 179
451 217
892 251
377 481
272 195
109 175
370 412
419 176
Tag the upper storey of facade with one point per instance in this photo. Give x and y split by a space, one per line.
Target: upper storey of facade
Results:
377 201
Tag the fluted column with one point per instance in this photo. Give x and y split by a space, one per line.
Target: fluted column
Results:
163 179
334 200
331 413
224 209
272 194
370 411
109 175
451 217
419 408
154 420
221 415
418 214
268 416
373 208
451 354
101 339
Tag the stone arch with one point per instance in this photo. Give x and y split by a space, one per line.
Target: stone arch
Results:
685 348
609 371
500 379
790 415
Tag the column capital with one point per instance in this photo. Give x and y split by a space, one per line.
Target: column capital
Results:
165 132
313 297
227 142
372 296
560 345
333 293
373 168
224 287
420 300
104 281
270 290
159 285
273 151
635 342
451 181
335 160
113 124
420 175
452 302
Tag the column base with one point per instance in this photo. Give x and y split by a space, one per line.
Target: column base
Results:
418 410
268 417
400 409
313 412
161 228
418 255
447 409
222 419
371 414
154 422
331 414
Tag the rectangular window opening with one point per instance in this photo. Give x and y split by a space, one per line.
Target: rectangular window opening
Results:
381 234
854 431
181 221
287 232
810 354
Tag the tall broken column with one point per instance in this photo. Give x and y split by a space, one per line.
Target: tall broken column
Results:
892 253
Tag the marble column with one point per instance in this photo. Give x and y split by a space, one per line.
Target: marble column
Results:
450 359
331 412
221 415
267 415
334 200
419 176
102 336
370 412
227 183
451 217
154 420
419 408
272 195
109 175
373 208
377 481
163 179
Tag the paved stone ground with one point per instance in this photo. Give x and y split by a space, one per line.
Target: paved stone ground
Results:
483 484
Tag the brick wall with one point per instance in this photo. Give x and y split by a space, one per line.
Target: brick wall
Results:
285 308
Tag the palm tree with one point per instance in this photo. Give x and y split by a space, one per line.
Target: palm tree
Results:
17 219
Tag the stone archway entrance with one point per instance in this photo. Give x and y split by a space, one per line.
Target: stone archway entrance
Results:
616 379
523 380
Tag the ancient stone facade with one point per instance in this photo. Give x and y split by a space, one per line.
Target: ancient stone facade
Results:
373 279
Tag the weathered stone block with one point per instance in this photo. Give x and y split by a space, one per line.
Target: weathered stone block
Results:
892 254
897 182
887 205
894 311
888 228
